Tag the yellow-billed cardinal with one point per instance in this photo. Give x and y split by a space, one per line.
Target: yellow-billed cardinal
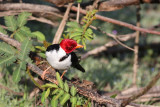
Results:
61 56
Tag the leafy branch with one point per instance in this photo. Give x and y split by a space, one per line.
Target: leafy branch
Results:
62 93
81 33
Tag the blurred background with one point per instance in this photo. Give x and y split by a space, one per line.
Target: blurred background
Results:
110 70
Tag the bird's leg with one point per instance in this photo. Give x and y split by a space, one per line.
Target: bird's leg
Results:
63 73
45 72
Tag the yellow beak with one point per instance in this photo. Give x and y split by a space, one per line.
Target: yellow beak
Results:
79 46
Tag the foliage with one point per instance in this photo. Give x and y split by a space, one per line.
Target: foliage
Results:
9 55
81 33
61 94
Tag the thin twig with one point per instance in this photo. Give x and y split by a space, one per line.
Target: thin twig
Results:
136 47
77 19
116 39
62 25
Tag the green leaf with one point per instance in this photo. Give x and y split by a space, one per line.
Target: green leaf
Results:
66 87
40 36
87 37
19 36
83 43
54 103
65 98
3 30
47 93
25 31
50 85
113 96
42 48
73 101
79 1
60 82
10 22
25 48
43 97
55 91
75 34
89 31
6 49
61 92
73 24
73 91
16 73
22 18
43 55
77 37
8 60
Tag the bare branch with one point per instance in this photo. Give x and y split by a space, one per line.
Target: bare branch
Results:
136 47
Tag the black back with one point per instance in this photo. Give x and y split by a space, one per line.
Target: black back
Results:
52 47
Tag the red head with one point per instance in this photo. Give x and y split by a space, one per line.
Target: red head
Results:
69 45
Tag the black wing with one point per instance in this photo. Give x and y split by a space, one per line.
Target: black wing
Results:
75 62
52 47
64 57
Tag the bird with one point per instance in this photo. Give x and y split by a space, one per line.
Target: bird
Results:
61 56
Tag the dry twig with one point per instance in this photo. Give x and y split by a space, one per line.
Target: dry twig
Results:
136 47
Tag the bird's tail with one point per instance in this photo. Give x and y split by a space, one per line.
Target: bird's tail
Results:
79 67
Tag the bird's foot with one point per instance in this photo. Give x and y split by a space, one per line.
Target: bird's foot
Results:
45 72
63 73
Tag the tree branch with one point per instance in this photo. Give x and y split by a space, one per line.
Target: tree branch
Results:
110 20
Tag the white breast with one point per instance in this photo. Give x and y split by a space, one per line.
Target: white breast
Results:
54 56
